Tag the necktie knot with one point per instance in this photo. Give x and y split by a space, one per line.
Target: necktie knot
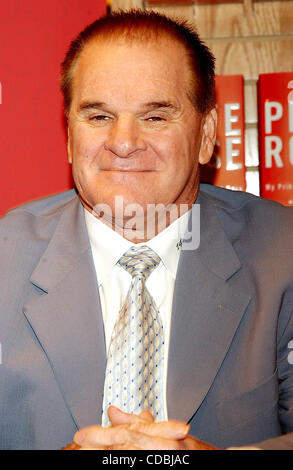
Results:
139 261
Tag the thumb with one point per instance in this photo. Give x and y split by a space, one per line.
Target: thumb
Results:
118 416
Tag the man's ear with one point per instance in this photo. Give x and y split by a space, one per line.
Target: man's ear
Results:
69 153
209 134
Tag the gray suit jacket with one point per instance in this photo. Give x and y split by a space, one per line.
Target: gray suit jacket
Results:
228 373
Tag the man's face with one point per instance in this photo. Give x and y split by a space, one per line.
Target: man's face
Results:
133 131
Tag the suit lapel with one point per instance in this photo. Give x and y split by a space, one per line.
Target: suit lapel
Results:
206 314
67 319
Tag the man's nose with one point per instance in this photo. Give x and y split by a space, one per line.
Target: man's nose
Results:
125 137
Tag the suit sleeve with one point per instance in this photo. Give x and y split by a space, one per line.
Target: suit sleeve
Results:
285 372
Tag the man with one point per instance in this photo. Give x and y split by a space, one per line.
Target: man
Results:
217 318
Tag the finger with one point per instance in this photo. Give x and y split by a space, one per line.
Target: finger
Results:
118 416
120 434
147 442
147 416
244 448
127 446
192 443
71 446
74 446
130 440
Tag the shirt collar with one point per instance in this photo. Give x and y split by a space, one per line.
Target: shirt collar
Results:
108 246
167 244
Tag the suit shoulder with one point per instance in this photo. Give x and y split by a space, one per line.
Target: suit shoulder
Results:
44 206
35 218
245 216
239 201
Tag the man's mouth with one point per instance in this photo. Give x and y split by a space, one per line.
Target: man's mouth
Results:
127 170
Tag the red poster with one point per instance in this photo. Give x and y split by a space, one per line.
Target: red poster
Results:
275 99
34 36
227 166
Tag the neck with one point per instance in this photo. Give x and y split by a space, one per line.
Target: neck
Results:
142 225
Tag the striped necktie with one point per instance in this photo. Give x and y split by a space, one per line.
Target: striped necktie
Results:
134 372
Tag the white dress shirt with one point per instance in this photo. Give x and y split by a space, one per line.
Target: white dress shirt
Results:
113 281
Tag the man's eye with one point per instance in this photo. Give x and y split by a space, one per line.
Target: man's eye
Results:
99 117
155 118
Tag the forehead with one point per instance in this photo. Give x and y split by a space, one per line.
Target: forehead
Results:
132 68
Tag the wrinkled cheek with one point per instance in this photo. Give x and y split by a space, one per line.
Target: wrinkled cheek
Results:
84 147
86 159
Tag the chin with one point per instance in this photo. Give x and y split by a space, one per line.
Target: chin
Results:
120 203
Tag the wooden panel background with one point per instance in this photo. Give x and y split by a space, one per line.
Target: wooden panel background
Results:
248 38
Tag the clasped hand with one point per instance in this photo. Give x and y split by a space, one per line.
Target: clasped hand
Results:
136 432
